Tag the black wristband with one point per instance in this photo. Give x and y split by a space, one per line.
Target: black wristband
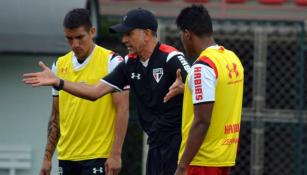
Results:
61 85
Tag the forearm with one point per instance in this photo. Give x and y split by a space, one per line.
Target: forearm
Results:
53 136
195 139
121 101
80 90
90 92
120 133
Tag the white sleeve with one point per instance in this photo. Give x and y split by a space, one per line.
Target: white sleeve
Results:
202 83
114 60
54 70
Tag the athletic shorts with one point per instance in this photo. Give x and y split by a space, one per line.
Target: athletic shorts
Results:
84 167
162 160
202 170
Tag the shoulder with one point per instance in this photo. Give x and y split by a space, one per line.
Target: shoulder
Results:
130 57
102 49
114 60
166 48
103 52
170 52
205 62
110 55
115 57
64 58
69 54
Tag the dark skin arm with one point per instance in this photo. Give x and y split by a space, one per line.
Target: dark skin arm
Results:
198 132
53 137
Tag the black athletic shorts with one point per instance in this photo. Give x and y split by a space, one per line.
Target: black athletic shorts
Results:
162 160
84 167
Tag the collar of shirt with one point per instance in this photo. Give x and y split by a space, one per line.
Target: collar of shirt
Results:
77 65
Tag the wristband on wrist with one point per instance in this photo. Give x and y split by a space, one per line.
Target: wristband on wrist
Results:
60 86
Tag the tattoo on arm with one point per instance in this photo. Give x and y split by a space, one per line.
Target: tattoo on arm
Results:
53 134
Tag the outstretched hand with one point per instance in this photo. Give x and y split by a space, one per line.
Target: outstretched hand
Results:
43 78
176 88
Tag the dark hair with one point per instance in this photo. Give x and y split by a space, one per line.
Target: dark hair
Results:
196 19
78 18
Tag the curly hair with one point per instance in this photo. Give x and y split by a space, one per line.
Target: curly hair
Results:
196 19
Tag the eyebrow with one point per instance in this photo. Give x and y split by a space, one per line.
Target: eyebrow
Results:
76 37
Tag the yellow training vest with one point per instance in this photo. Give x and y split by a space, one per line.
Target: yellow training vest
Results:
219 147
87 128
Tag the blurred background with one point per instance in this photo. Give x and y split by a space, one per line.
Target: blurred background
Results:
268 35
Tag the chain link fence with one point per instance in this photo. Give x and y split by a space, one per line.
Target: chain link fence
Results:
273 137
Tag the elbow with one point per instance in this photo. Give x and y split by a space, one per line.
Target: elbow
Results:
201 124
92 98
95 93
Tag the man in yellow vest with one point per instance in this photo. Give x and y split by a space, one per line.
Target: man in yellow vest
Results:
212 102
88 135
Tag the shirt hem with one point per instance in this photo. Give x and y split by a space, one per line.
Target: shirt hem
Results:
213 164
79 158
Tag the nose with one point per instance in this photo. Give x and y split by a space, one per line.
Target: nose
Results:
74 43
124 38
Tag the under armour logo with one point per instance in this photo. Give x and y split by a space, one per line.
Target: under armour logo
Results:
138 76
100 170
60 171
64 70
233 70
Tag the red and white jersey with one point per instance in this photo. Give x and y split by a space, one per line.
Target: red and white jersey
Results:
202 81
216 76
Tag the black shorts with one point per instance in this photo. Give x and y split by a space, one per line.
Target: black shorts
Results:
84 167
162 160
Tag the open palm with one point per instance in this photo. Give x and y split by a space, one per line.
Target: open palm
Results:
176 88
43 78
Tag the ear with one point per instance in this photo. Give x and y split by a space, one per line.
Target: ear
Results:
148 33
187 34
93 31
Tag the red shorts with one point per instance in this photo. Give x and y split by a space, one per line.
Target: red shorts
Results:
203 170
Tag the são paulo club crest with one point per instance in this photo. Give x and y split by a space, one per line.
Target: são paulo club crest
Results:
157 74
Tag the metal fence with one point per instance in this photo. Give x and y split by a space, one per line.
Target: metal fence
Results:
273 137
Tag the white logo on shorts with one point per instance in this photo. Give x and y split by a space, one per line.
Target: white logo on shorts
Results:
100 170
60 171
